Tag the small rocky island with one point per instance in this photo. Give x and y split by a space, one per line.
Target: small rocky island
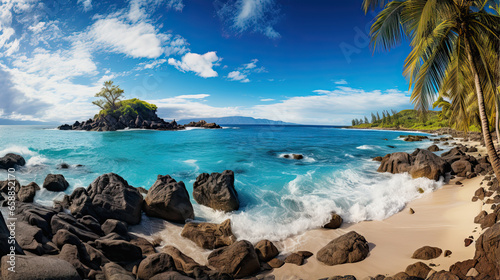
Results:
119 114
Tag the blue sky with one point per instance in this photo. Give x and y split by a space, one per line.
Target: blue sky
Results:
305 62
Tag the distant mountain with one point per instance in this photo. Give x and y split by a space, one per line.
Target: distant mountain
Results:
14 122
236 120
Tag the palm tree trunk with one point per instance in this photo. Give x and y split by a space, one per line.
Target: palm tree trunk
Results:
497 118
488 141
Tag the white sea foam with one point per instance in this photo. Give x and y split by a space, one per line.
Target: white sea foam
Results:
367 147
309 200
20 150
36 161
191 161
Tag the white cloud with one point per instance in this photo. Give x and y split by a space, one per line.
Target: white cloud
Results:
202 65
341 82
338 106
267 99
87 4
175 4
252 64
251 15
193 96
238 76
182 108
150 65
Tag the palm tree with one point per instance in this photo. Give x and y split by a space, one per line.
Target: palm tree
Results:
445 36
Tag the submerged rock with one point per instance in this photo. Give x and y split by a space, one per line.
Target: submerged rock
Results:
203 124
348 248
169 200
216 191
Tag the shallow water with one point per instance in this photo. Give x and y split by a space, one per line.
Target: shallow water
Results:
279 197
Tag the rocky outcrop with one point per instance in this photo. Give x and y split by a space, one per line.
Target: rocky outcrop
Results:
348 248
55 183
216 191
169 200
488 252
108 197
413 138
421 163
155 264
208 235
203 124
427 253
11 161
238 260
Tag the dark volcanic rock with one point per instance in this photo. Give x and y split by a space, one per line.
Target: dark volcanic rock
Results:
348 248
488 252
155 264
39 268
119 250
11 161
112 225
55 183
146 247
108 197
216 191
169 200
419 269
63 237
266 250
421 163
239 260
68 222
113 271
27 193
182 262
427 253
203 124
434 148
335 222
208 235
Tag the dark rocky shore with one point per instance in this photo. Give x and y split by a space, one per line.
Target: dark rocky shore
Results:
86 236
147 119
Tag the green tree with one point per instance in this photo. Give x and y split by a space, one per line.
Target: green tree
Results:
110 94
353 122
366 120
378 117
374 118
443 34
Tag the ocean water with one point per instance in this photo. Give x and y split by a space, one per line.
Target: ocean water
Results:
279 197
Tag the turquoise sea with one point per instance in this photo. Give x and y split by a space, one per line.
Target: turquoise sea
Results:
279 197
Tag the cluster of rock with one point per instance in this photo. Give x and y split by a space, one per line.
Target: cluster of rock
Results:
144 120
202 124
424 163
85 236
413 138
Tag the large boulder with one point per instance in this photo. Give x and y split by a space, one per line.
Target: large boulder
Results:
155 264
421 163
419 269
69 223
266 250
427 253
169 200
488 252
182 262
208 235
38 268
27 193
461 167
108 197
348 248
119 250
113 271
55 183
216 191
238 260
11 161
